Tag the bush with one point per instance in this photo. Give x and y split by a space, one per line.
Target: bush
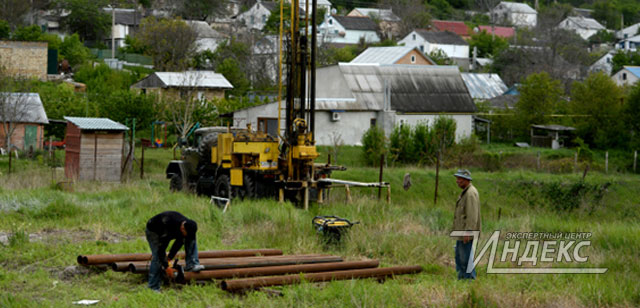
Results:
401 144
373 145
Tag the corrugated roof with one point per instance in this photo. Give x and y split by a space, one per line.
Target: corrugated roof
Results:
505 32
127 17
22 107
517 7
203 29
446 37
356 23
457 27
413 88
382 14
635 70
586 23
383 55
96 124
197 79
484 86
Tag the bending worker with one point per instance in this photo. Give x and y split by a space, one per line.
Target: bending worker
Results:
163 228
466 218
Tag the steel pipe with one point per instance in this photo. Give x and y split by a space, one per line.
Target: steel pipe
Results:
252 283
226 263
112 258
280 270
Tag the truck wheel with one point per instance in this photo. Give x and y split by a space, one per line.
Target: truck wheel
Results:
248 189
175 184
223 189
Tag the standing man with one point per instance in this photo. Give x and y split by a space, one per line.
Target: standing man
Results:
466 218
163 228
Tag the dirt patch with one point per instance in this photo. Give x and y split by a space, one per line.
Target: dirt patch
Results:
73 236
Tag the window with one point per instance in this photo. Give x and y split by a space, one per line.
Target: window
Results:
608 60
264 18
372 122
252 19
624 76
413 59
331 21
414 36
268 125
422 48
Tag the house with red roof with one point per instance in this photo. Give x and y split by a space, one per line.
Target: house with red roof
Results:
457 27
503 32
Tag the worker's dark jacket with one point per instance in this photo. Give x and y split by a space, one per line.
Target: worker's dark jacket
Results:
467 212
166 226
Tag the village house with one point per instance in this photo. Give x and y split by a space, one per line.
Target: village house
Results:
256 16
628 32
628 75
584 27
388 22
603 64
514 14
457 27
201 85
393 55
26 114
126 23
353 97
503 32
452 45
348 30
207 38
629 44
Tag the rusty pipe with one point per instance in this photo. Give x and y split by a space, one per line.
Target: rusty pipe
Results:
112 258
226 263
252 283
120 266
279 270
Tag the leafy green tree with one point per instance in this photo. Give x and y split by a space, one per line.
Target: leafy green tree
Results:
233 59
374 145
5 30
487 44
125 104
602 36
60 100
631 112
29 33
606 12
597 102
170 42
622 58
200 9
87 18
74 51
231 69
401 144
440 57
540 96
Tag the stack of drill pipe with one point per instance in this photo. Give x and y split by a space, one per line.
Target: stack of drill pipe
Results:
259 282
244 262
114 258
279 270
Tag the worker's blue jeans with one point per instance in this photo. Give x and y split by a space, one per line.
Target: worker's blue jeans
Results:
155 268
463 258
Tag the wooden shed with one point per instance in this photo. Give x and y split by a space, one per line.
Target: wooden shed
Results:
94 150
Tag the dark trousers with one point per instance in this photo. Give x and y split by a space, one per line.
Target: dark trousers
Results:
155 268
464 259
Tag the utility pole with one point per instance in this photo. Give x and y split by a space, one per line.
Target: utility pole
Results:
113 36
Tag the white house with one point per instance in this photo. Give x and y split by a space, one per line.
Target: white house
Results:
388 22
256 16
348 30
450 43
629 44
603 64
207 38
628 32
585 27
353 97
126 21
393 55
324 5
628 75
515 14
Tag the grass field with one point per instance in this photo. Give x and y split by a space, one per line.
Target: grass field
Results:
43 228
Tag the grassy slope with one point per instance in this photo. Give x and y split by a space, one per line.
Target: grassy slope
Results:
110 218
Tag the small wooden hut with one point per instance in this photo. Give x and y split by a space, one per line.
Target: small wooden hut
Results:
94 150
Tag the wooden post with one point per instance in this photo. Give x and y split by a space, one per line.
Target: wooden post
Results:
306 196
142 162
95 154
9 147
575 161
435 194
389 194
53 167
606 162
538 161
320 192
348 193
499 212
635 160
380 177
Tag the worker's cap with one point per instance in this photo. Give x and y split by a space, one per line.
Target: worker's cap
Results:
463 173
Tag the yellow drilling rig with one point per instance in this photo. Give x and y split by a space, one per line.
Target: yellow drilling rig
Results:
232 163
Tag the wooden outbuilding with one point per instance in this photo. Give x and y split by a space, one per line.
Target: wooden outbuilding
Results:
95 149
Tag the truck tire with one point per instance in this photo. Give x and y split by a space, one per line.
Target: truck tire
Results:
223 189
204 148
248 188
175 184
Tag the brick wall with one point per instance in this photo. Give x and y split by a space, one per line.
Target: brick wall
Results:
17 139
24 59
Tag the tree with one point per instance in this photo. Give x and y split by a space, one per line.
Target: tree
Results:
87 18
13 11
200 9
170 42
598 102
5 30
440 57
631 114
15 108
74 51
622 58
29 33
412 13
606 13
487 44
540 96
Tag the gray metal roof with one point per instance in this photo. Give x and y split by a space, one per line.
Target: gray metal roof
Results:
202 29
384 55
517 7
444 37
586 23
22 107
484 86
554 127
192 79
96 124
382 14
356 23
412 88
